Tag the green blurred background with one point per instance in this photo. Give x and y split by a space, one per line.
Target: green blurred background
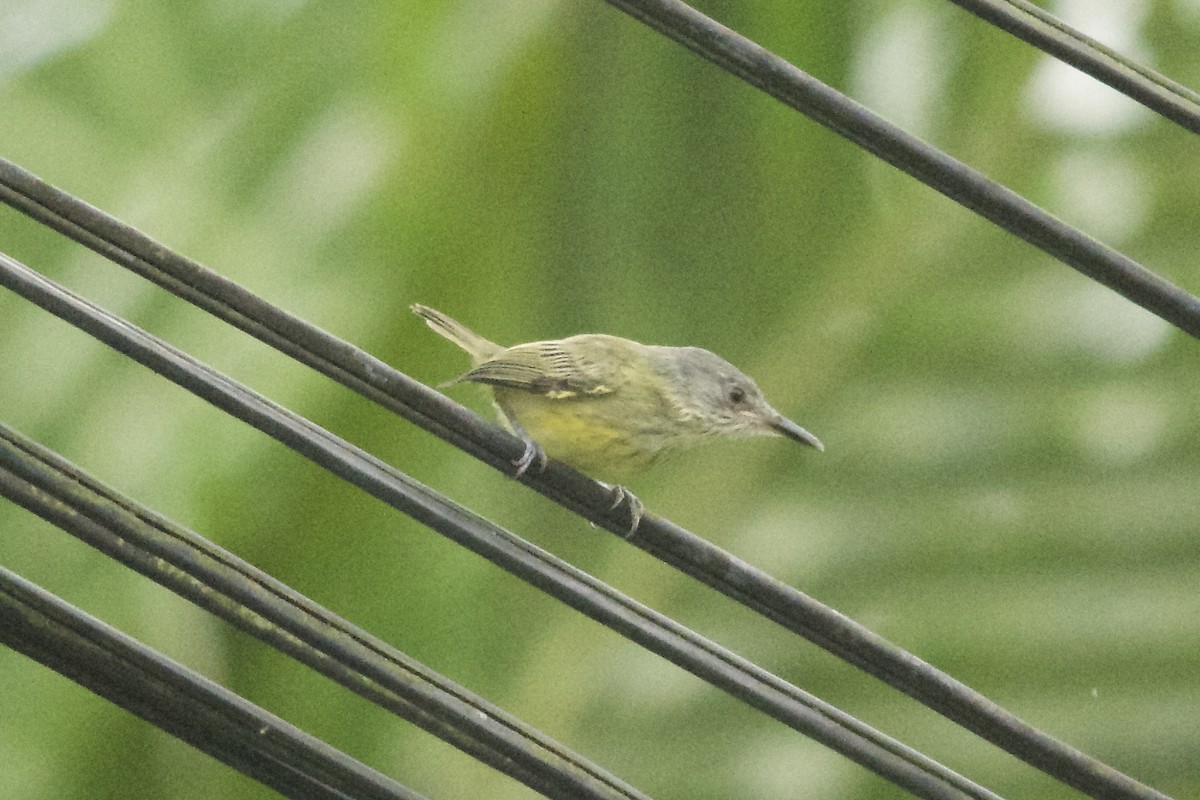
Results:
1010 489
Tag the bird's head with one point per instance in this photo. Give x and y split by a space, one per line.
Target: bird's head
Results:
717 398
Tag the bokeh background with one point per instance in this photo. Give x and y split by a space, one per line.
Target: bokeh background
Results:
1010 489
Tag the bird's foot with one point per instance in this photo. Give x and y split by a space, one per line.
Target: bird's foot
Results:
620 495
533 452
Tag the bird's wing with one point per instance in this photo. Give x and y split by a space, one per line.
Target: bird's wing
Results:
581 365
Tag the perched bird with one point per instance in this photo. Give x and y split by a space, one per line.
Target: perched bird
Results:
610 406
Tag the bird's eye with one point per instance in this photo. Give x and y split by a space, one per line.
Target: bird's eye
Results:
737 395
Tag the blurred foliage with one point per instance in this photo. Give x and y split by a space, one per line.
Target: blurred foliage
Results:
1010 488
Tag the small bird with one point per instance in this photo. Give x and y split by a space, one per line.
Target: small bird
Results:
610 406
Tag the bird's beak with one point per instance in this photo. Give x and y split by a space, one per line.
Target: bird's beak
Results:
785 427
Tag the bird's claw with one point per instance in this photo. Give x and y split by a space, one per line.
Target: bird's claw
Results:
533 452
620 495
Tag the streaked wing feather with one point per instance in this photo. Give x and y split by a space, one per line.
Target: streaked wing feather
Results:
545 368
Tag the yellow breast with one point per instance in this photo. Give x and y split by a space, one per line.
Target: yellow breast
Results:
588 433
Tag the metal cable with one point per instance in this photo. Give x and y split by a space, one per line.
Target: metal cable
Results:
672 544
180 701
220 582
659 634
1059 40
967 186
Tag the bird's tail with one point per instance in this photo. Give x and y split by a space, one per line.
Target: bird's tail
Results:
480 348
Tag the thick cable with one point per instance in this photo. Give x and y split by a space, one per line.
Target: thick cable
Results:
670 543
180 701
967 186
1054 37
218 581
803 712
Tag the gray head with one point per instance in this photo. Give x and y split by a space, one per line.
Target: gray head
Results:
716 397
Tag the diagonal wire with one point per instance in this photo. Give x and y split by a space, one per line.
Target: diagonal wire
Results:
742 679
1110 267
967 186
180 701
218 581
680 548
1054 37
